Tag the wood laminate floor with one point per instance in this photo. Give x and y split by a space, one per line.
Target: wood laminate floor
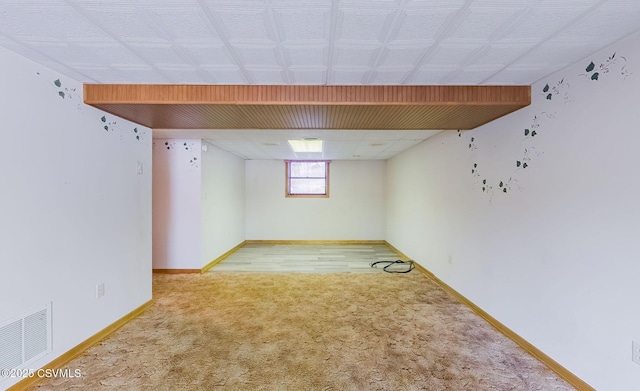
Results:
307 258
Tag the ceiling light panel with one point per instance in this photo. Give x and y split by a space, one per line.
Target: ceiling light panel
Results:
306 146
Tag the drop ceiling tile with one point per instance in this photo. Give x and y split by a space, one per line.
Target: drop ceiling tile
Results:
69 71
453 54
366 151
48 21
361 24
422 26
208 54
234 4
246 26
267 76
420 135
177 133
355 55
499 54
353 135
153 4
303 24
471 76
515 76
553 54
66 52
142 74
605 26
390 76
7 42
428 75
226 75
480 22
232 144
186 74
184 24
302 76
157 53
104 74
122 21
257 56
399 146
113 53
544 19
384 135
342 145
401 56
347 77
306 55
225 135
369 42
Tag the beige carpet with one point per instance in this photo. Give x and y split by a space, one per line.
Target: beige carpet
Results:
306 332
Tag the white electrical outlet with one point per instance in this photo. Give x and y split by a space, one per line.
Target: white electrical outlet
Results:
140 169
635 355
100 290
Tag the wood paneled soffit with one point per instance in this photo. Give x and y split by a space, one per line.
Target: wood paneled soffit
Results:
307 107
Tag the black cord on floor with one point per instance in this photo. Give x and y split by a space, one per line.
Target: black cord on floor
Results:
391 263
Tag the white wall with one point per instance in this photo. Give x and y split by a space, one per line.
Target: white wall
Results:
177 169
354 210
555 258
223 201
74 212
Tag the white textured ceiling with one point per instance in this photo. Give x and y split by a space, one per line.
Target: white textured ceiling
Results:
352 42
338 144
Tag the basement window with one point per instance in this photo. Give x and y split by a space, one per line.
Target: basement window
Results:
307 178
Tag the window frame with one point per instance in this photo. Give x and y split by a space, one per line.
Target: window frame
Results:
287 179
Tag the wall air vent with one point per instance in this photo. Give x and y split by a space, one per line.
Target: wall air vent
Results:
25 339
